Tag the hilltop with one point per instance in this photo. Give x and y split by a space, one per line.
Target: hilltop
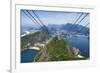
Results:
56 50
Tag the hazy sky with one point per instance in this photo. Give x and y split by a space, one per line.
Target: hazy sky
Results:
51 17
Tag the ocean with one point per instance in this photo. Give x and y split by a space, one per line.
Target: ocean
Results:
80 42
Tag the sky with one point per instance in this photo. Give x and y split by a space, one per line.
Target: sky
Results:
53 17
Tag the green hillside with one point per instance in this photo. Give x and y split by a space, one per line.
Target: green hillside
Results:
33 38
56 50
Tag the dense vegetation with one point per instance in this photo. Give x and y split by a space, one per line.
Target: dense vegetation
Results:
33 38
56 50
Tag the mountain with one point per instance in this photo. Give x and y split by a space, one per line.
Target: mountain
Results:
69 28
57 50
30 39
28 28
74 27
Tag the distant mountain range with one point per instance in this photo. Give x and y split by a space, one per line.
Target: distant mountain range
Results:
57 27
69 28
